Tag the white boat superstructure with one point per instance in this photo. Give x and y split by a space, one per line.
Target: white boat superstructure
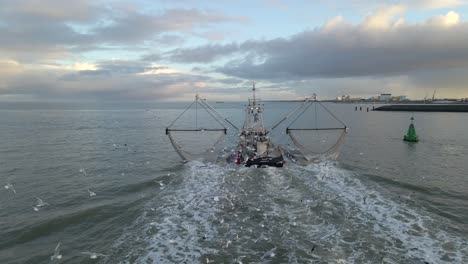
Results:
255 147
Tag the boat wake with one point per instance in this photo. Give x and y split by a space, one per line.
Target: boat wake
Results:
323 213
177 220
387 230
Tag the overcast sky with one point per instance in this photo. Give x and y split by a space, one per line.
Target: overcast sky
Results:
171 49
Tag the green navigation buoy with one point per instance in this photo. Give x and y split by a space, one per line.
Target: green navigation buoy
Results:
411 135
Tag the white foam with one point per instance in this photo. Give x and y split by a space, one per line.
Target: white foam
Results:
315 213
419 231
181 228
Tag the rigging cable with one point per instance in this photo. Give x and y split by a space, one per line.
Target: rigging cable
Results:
182 113
333 115
290 113
219 115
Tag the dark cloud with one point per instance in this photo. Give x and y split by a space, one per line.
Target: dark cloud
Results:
339 51
203 54
126 67
134 26
231 81
76 76
111 68
58 11
33 30
100 85
109 80
151 57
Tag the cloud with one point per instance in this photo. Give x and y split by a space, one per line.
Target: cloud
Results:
382 19
201 54
451 19
46 30
383 50
231 81
109 80
439 4
48 51
135 26
9 67
340 50
50 10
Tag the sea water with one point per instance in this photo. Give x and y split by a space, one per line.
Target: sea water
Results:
382 201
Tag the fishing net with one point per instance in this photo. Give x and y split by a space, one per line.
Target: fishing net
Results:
318 144
316 133
200 144
197 132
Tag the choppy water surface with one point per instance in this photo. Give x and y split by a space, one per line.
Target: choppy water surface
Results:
114 186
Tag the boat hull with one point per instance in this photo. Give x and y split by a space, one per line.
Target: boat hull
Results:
265 162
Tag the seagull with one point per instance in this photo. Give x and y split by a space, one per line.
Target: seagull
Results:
91 193
270 253
160 183
40 202
57 254
228 243
9 186
408 197
239 259
93 255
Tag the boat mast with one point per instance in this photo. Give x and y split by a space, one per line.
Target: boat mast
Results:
253 90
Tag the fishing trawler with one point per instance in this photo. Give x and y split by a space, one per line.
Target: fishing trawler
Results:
307 138
255 147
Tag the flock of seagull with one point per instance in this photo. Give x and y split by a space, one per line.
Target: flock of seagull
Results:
40 204
91 255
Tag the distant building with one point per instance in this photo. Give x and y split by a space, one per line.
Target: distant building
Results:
343 98
399 98
385 97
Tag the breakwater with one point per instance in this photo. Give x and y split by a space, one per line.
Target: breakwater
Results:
425 107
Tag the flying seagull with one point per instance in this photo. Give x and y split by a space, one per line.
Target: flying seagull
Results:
91 193
40 202
57 254
84 172
9 186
